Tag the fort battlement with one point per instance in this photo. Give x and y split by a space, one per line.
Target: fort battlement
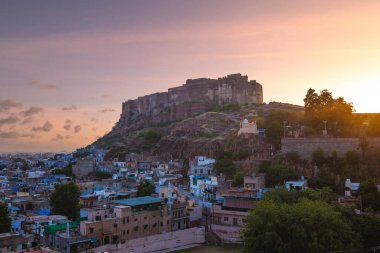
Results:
193 97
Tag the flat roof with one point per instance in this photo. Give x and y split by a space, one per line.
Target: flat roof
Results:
138 201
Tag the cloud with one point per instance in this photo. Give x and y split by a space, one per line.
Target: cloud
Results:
27 121
28 136
43 85
45 128
9 135
32 111
10 120
69 108
7 104
77 128
107 110
68 124
57 137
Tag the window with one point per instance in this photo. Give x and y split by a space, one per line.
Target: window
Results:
115 225
196 171
145 218
91 230
128 219
167 222
98 218
124 220
136 219
225 218
123 232
161 224
128 232
235 221
201 171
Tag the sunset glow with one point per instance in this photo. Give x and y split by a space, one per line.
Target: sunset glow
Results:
76 62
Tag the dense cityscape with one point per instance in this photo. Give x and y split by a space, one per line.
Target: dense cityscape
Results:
189 126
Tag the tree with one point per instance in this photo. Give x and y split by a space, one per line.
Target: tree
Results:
305 226
277 175
102 175
65 200
224 163
369 229
318 157
323 107
274 124
145 188
238 180
5 220
370 196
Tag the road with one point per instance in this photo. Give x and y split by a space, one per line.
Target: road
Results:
196 199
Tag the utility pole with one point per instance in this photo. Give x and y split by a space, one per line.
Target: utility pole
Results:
284 122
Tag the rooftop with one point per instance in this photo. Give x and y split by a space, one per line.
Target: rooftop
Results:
138 201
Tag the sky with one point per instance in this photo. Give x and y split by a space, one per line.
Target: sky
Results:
66 66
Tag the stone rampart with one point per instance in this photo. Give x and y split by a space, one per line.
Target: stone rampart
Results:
306 146
193 97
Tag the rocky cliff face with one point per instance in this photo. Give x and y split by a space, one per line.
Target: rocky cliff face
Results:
197 118
194 97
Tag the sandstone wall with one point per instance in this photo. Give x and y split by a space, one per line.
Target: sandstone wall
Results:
306 146
196 96
158 243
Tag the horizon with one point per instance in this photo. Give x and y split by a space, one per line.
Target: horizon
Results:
67 67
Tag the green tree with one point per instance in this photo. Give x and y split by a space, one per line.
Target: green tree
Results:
318 157
238 180
102 175
293 156
370 196
373 128
369 229
277 175
323 107
224 163
65 200
306 226
5 220
145 188
274 124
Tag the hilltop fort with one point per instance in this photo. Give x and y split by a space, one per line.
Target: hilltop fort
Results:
194 97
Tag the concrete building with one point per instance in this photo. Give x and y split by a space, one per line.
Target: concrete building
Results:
179 215
248 127
254 182
129 219
201 166
204 187
229 218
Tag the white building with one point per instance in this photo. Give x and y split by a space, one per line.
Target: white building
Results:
201 165
203 187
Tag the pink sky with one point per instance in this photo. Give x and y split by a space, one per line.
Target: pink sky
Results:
93 55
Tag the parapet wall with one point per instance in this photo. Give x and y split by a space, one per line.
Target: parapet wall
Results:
165 242
306 146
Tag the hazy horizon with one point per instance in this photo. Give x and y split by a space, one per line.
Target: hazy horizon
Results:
66 67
